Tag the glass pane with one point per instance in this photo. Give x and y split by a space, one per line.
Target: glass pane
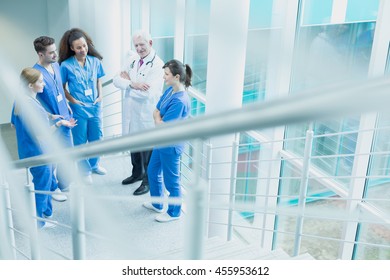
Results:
358 10
247 171
317 11
135 15
260 14
316 231
332 53
196 40
378 238
256 65
290 184
164 47
378 185
326 55
162 18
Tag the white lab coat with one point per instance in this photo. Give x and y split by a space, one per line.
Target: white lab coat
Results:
139 105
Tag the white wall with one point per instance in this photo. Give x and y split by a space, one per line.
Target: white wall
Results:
21 21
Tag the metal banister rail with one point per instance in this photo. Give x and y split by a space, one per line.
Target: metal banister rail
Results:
332 101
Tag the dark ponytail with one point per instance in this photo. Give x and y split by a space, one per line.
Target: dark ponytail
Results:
187 82
178 68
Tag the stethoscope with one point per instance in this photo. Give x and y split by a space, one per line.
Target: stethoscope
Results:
150 62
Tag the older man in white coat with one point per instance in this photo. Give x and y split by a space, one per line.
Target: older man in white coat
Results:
142 80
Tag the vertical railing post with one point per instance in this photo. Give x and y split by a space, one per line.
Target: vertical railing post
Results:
232 193
29 197
208 162
78 221
303 190
196 206
7 240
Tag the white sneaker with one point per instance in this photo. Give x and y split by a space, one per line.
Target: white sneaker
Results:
165 217
57 196
48 225
48 217
88 179
150 206
100 170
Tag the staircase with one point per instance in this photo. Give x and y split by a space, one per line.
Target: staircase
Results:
218 249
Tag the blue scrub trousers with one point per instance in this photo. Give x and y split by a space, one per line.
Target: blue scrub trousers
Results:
67 142
44 180
164 165
87 130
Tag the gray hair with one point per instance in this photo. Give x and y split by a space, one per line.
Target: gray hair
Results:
143 34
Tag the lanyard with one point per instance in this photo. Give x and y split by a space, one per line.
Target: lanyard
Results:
53 77
84 73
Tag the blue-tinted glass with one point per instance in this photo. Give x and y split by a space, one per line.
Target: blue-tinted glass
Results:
260 14
358 10
164 47
317 11
135 15
196 40
256 65
162 18
379 169
372 241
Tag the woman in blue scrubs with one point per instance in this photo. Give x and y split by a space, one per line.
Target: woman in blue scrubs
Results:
165 161
31 144
81 70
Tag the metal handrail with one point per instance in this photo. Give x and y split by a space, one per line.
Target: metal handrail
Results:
331 101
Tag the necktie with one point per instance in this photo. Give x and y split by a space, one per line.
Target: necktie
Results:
141 61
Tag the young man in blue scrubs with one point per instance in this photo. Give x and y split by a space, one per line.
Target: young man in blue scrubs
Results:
81 70
53 100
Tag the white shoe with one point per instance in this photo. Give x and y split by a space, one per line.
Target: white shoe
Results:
48 225
48 217
100 170
165 217
88 179
57 196
150 206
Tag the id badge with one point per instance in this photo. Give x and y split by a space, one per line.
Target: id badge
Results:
88 92
59 98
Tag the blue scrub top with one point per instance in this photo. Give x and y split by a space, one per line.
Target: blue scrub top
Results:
53 97
80 79
174 107
28 144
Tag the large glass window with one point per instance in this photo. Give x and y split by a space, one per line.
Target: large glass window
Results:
378 184
325 55
162 27
196 40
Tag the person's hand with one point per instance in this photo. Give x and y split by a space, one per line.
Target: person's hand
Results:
140 86
54 117
99 99
124 75
75 101
71 123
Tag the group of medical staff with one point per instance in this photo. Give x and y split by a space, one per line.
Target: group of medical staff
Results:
67 97
78 121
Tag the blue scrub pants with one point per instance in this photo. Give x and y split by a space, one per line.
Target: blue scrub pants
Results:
164 165
67 141
87 130
44 180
